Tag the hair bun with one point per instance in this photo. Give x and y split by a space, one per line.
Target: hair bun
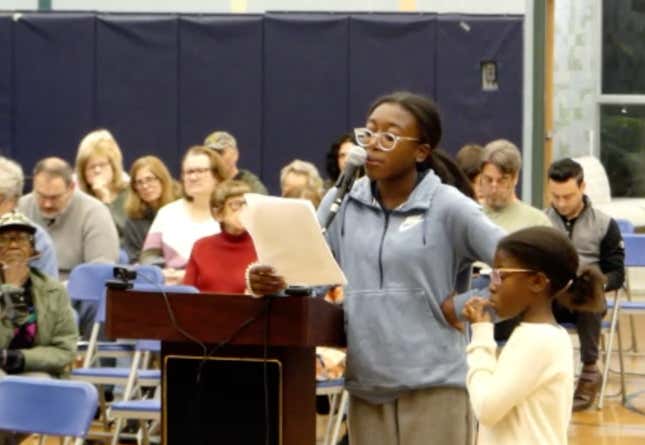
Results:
585 291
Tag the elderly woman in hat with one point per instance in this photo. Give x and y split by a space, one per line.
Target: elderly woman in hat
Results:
37 329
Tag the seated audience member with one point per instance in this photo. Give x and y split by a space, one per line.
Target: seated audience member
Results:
500 173
499 177
599 243
37 329
99 172
179 224
151 187
226 146
297 176
311 194
218 262
80 226
470 158
12 181
336 158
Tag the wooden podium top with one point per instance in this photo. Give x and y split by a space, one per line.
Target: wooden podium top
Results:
212 318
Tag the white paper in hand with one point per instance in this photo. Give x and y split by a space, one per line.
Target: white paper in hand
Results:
286 235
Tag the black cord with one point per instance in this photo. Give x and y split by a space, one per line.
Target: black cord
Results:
171 314
206 354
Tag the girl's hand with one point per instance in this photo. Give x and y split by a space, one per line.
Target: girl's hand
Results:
263 280
476 310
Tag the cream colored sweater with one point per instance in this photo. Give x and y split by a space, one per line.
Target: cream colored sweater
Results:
524 397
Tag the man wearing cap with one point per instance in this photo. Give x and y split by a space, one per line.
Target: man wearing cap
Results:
37 329
226 145
12 181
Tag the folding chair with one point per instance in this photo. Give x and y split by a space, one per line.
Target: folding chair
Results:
87 283
625 226
140 408
47 406
634 257
338 400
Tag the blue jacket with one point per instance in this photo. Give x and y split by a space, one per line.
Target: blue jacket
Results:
400 265
46 261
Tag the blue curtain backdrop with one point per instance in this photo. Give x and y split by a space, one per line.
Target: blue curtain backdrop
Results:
220 82
53 85
6 68
284 84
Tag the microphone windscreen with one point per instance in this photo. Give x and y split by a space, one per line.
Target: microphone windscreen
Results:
356 156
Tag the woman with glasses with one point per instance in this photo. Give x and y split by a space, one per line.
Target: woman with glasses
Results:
179 224
404 237
217 262
99 172
151 187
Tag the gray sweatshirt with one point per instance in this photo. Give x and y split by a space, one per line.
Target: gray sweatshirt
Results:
400 265
83 233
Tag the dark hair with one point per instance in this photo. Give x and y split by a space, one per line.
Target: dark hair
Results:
565 169
470 159
331 163
549 251
429 122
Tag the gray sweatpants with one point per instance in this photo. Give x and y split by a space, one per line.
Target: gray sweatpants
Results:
421 417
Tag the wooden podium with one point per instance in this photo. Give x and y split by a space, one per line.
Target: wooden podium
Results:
232 396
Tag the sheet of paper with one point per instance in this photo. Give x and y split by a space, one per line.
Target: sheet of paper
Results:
287 236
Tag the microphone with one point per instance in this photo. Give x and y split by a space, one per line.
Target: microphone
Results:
356 158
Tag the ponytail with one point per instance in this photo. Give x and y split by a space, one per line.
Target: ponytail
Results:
448 171
585 292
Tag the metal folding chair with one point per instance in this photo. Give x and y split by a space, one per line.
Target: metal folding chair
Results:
47 406
338 400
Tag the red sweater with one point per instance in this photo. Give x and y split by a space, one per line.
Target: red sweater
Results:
217 263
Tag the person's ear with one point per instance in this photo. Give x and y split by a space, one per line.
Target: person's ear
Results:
218 214
515 178
422 153
583 186
538 282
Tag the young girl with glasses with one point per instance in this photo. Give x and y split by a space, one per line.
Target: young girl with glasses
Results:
525 395
405 239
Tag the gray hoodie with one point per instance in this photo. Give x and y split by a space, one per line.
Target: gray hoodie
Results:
400 265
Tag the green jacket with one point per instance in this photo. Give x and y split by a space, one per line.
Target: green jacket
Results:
55 344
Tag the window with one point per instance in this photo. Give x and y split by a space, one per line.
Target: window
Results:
622 96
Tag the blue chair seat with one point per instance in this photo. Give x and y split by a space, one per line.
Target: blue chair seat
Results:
107 376
146 405
632 306
108 347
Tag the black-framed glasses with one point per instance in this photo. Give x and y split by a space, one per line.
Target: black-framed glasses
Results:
7 238
385 141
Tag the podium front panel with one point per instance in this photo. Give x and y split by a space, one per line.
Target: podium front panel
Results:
222 400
